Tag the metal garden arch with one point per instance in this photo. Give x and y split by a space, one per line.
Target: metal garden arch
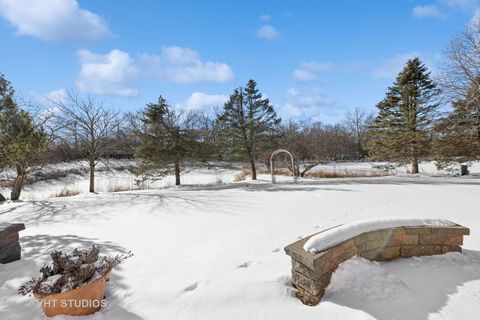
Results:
272 169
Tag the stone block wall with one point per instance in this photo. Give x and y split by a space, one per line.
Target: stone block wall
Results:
311 273
9 242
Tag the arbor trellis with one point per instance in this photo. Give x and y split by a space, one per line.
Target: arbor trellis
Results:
272 169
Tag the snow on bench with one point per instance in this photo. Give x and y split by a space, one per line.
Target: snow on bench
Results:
9 245
336 235
316 257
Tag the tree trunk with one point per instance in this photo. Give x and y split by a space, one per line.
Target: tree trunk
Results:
92 177
414 165
252 165
177 171
18 184
359 150
308 168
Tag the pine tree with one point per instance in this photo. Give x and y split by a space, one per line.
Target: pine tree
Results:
403 127
248 120
459 132
21 141
167 136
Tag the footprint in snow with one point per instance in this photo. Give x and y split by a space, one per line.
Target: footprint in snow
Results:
247 264
191 287
276 250
316 227
287 282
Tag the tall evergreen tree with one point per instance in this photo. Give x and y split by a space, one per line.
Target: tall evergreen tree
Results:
248 120
167 136
403 127
21 141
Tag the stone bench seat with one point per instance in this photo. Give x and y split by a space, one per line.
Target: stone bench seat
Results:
9 242
312 271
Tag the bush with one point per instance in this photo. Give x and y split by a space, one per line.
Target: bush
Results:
66 192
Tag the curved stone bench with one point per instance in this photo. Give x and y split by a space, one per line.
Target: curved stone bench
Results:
311 272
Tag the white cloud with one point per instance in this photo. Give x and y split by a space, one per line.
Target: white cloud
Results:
107 74
53 20
426 11
308 70
114 73
48 97
47 102
390 67
183 65
265 17
308 97
268 32
199 100
307 104
301 75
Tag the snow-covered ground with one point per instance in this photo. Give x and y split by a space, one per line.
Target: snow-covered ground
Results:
118 175
109 176
214 249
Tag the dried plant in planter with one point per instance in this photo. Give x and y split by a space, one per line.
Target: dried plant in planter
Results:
70 271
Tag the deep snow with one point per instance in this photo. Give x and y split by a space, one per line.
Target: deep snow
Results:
215 251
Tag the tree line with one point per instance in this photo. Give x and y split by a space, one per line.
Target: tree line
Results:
419 118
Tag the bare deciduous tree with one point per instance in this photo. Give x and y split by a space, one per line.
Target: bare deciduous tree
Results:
86 122
312 143
357 122
459 131
461 71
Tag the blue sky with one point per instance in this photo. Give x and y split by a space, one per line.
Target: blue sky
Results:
313 59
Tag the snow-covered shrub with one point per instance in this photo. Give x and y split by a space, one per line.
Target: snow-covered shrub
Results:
70 271
387 168
242 175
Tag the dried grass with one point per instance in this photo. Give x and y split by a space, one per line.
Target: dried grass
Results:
332 173
118 188
278 172
242 175
346 174
66 192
